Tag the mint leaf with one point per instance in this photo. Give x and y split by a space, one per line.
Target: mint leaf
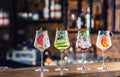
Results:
40 30
83 33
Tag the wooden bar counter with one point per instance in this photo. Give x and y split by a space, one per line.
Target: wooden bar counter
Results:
29 72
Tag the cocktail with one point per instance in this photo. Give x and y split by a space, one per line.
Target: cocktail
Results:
61 43
103 43
83 43
41 43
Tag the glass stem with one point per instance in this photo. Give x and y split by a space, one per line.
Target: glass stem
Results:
41 59
103 58
83 58
62 54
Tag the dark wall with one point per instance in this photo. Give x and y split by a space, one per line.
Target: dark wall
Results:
5 4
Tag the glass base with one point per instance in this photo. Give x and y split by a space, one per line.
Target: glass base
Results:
41 69
83 68
61 69
103 68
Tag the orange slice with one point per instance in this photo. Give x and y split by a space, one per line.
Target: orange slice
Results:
104 41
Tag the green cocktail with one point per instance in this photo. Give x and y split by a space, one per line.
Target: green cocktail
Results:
61 43
61 40
62 46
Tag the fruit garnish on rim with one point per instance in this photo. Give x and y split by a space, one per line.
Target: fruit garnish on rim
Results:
83 33
105 41
40 38
40 30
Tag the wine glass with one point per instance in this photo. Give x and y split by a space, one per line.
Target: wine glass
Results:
41 43
61 42
83 43
103 43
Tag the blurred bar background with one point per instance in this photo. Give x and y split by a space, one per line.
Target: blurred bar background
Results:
19 19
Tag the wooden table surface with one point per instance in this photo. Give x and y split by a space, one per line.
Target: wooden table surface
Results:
30 72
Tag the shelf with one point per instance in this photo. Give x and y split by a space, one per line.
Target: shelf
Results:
74 30
37 21
4 46
7 27
28 10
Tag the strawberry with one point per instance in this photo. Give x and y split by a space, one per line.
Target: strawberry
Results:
81 48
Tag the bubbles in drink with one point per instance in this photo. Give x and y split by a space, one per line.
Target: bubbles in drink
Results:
42 40
83 40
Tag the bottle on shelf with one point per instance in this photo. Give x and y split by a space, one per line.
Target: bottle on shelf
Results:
46 13
58 9
83 21
1 18
30 14
6 37
46 3
35 16
87 19
52 10
46 10
97 20
72 23
25 15
79 23
5 19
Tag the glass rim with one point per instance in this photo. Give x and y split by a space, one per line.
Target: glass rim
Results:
103 31
42 30
37 31
61 30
